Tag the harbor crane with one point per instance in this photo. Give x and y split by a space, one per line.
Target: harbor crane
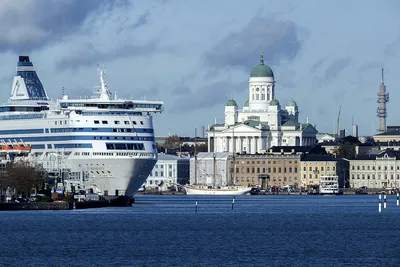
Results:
337 122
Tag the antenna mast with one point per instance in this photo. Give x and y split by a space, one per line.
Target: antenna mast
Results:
104 94
383 98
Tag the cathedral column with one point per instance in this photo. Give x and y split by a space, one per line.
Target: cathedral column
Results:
253 145
260 146
248 145
226 144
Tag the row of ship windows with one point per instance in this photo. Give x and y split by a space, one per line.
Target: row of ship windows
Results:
106 154
110 146
118 122
121 146
69 138
373 168
102 122
114 130
84 130
50 146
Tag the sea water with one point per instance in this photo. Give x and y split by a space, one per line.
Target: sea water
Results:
171 231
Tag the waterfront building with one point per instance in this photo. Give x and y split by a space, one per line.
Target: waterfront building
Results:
169 170
380 170
262 122
313 166
282 169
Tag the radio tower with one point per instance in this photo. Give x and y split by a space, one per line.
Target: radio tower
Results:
383 98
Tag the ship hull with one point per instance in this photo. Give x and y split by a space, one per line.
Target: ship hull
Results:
122 176
219 192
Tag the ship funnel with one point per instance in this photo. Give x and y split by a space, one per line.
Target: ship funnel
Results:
26 84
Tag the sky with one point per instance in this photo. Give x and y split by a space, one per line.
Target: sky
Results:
194 55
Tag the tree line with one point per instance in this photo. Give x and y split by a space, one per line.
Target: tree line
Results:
175 142
23 177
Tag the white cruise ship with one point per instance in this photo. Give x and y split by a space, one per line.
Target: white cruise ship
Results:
101 142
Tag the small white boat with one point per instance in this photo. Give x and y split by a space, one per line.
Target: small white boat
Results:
222 191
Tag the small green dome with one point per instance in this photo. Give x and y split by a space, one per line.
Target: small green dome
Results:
292 103
246 104
274 102
262 70
232 103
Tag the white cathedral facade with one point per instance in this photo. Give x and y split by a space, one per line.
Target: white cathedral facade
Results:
262 123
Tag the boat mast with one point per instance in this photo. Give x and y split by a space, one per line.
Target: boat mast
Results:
214 163
195 156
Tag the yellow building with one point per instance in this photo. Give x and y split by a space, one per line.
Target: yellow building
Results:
283 169
313 166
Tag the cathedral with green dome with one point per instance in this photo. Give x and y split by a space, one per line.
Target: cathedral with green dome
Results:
261 123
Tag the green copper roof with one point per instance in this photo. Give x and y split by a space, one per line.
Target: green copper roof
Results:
291 123
292 103
232 103
246 104
274 102
261 70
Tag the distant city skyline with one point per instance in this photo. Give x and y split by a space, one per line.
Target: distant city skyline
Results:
194 54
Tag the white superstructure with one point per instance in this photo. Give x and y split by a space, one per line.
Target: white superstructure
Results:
103 142
329 184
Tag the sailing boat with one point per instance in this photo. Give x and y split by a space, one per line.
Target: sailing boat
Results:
231 190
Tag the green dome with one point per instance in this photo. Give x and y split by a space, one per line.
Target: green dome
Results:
292 103
262 70
232 103
274 102
246 104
